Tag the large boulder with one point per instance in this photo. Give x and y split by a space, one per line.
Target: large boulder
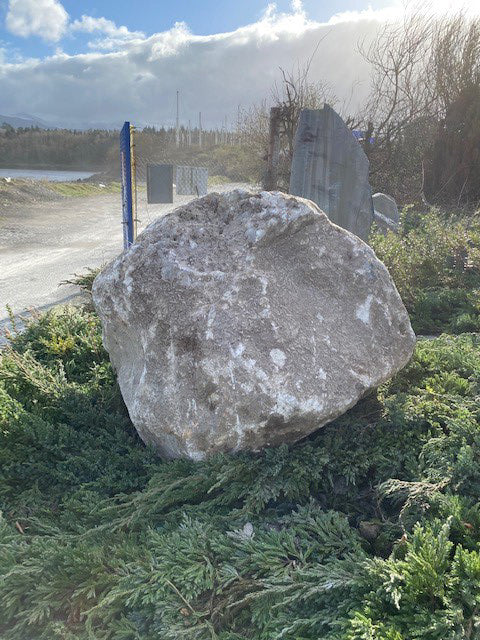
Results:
243 320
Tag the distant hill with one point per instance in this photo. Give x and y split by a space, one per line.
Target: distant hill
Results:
25 120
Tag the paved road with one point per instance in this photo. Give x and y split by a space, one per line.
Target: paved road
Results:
47 242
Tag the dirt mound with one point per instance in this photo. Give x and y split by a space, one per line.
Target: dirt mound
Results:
26 191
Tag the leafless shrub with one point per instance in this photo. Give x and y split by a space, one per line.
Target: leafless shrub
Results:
292 93
421 122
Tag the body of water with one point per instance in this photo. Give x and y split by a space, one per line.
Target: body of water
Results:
52 175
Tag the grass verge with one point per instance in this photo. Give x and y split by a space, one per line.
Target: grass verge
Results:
83 189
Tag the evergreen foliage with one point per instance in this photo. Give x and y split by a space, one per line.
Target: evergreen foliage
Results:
435 262
369 529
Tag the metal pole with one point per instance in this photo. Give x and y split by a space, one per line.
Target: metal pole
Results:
133 177
177 130
200 129
127 196
273 150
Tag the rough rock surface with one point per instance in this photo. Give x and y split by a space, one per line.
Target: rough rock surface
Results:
245 320
330 167
385 211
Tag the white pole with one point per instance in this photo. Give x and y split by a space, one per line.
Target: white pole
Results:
177 130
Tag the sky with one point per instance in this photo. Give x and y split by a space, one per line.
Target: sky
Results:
80 62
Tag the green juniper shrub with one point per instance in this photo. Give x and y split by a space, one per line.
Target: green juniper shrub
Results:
63 423
84 280
435 263
370 528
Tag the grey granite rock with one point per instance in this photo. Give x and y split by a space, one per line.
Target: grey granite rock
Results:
385 212
243 320
330 167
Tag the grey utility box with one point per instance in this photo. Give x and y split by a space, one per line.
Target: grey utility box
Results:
159 183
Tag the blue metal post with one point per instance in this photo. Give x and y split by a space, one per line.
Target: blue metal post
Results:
127 196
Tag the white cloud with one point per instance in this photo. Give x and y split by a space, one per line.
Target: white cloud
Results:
49 20
45 18
214 74
90 25
111 36
130 76
387 14
399 8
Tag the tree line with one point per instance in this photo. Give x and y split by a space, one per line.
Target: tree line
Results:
56 148
99 149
